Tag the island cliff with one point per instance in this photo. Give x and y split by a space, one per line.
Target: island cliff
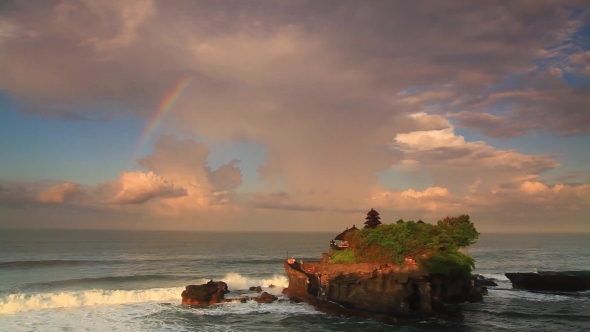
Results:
373 290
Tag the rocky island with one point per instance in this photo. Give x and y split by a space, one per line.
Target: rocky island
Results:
385 271
390 270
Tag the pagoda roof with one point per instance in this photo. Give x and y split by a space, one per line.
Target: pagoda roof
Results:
342 235
420 221
373 213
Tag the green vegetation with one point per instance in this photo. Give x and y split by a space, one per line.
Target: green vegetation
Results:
434 246
343 256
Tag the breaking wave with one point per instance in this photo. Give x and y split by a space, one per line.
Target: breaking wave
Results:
236 281
496 276
20 302
14 303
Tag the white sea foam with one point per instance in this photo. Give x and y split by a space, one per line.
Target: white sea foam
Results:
149 316
24 302
250 307
501 277
537 296
236 281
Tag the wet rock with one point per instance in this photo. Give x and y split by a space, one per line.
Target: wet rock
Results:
205 294
480 280
556 282
257 289
265 298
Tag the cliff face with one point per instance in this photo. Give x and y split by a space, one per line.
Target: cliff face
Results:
375 289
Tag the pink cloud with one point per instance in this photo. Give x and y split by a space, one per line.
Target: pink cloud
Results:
138 187
59 194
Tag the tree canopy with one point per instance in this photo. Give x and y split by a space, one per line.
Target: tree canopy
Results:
435 246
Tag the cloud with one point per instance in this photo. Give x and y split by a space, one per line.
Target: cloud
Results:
139 187
433 201
282 201
271 62
456 164
432 191
59 194
18 194
226 177
547 103
183 163
335 91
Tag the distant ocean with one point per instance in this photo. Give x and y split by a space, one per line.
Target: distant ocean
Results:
132 281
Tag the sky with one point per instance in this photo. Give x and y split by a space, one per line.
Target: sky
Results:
294 115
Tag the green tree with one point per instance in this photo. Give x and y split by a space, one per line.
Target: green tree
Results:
460 229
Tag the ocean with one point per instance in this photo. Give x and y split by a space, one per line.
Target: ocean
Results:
65 280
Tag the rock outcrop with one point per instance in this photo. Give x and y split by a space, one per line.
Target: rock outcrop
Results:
206 294
478 279
373 290
551 281
213 292
257 289
265 298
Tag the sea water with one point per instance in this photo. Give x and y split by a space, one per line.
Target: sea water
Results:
61 280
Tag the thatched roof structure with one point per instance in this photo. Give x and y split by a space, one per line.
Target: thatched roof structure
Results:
341 236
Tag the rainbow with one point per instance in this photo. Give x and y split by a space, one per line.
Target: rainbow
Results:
160 114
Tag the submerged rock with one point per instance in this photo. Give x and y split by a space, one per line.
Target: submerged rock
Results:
550 281
206 294
265 298
257 289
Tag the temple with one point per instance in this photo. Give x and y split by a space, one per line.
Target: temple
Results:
372 219
343 244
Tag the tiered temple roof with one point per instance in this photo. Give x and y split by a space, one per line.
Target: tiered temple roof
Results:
372 219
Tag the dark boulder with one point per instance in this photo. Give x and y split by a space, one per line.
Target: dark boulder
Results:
552 282
206 294
256 289
265 298
480 280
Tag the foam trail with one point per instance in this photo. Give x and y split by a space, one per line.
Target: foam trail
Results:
14 303
496 276
236 281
